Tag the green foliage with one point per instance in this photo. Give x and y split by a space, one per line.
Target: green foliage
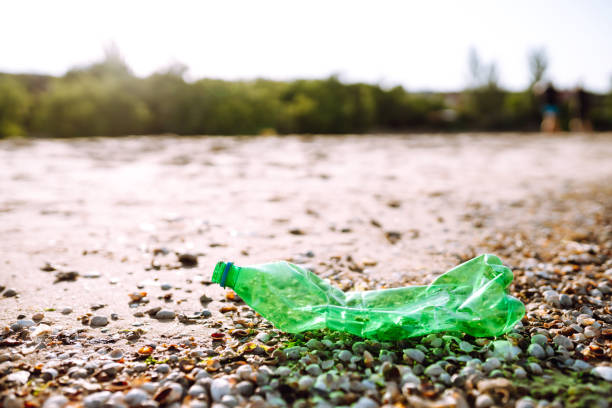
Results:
14 105
106 99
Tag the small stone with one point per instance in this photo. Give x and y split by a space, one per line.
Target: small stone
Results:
345 356
218 388
565 300
314 370
98 321
66 311
314 344
491 364
229 401
37 317
434 370
140 367
520 372
536 351
359 347
166 286
163 368
581 366
196 390
55 401
305 382
539 339
283 371
112 368
164 314
135 397
590 332
415 354
188 260
563 341
484 401
116 354
96 400
263 337
9 293
204 314
48 374
368 359
19 377
552 298
466 347
293 353
244 372
245 388
535 368
603 372
365 402
525 403
170 392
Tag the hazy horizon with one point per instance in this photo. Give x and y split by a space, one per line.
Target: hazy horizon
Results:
422 47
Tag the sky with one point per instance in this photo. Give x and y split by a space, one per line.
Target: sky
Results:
421 45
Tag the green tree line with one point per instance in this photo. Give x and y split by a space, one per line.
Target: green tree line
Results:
107 99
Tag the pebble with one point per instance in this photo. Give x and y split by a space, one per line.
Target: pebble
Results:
19 377
66 311
603 372
314 369
590 332
166 286
99 321
55 401
561 340
163 368
305 382
218 388
96 400
315 344
244 372
9 293
415 354
565 300
229 401
283 371
345 356
491 364
245 388
293 353
434 370
365 402
525 403
539 339
552 298
112 368
164 314
484 401
535 368
520 372
135 397
37 317
263 337
48 374
536 351
196 390
170 392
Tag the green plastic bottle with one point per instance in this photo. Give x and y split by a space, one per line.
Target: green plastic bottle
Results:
471 298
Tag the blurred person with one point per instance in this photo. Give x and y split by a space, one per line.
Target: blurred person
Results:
580 108
550 108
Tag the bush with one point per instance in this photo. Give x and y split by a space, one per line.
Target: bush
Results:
15 102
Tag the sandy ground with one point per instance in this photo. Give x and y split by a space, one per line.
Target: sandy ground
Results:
401 208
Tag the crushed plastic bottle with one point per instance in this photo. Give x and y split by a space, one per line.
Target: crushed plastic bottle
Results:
471 298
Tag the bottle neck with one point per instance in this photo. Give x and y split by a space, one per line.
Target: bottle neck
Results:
230 277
